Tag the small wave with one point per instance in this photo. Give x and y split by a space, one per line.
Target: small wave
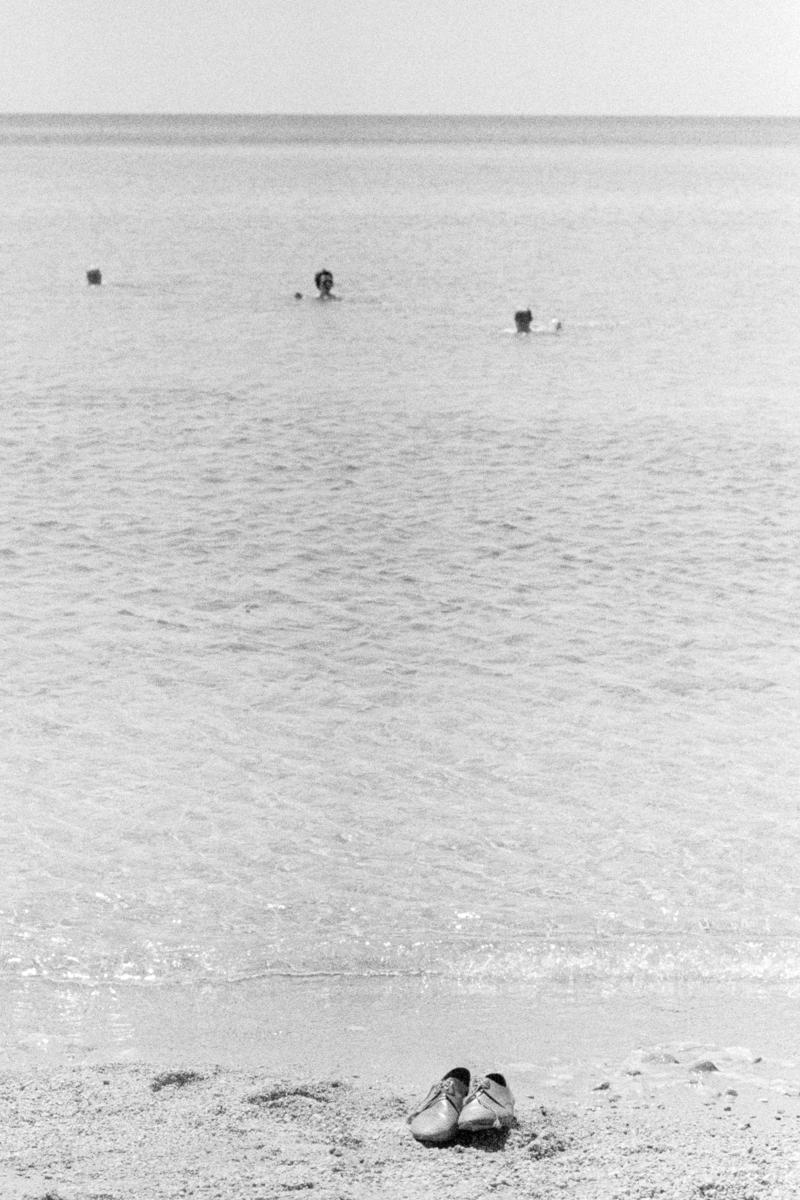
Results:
632 960
701 959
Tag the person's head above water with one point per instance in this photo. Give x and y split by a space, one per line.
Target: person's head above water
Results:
522 320
324 281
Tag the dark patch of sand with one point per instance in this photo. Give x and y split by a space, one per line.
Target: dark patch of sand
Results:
661 1124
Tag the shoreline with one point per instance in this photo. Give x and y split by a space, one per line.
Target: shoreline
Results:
556 1039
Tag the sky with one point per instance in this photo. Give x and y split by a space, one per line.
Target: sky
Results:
706 57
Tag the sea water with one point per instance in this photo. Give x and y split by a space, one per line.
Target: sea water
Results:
370 640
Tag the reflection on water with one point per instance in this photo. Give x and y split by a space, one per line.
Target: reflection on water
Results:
56 1023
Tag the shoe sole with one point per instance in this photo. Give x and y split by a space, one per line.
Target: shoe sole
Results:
483 1126
434 1141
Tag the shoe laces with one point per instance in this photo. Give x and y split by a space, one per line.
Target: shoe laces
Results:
481 1087
445 1087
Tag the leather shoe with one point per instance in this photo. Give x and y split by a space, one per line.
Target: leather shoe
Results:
435 1119
489 1105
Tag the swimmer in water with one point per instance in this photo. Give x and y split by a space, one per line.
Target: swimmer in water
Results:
523 318
324 281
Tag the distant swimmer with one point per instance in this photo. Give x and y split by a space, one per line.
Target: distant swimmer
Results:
523 318
94 276
324 281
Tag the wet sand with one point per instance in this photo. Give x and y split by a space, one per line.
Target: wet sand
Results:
678 1121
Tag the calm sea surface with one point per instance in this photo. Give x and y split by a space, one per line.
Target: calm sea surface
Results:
370 638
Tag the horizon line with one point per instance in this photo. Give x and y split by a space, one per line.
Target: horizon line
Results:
550 116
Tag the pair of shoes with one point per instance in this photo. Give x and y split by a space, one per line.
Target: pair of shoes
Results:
451 1106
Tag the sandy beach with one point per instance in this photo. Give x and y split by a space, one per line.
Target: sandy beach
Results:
679 1122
